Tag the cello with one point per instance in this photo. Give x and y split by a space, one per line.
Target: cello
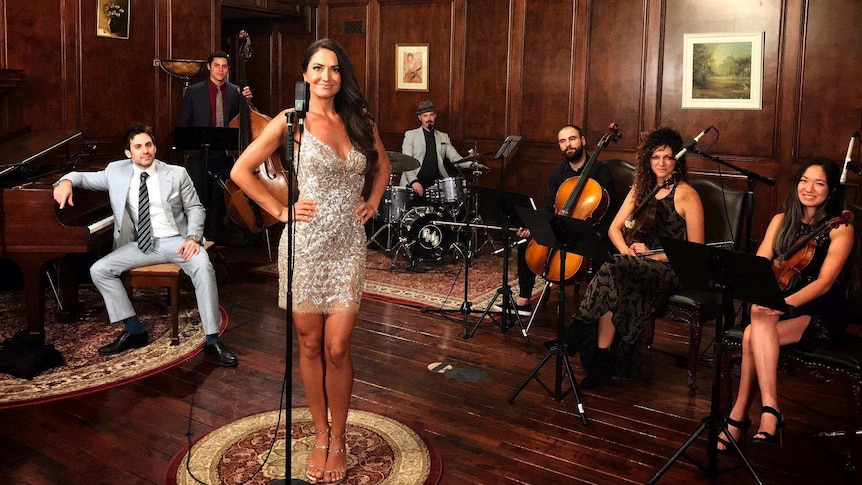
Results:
582 198
270 173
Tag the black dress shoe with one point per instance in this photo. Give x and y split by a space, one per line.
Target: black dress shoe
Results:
219 353
125 342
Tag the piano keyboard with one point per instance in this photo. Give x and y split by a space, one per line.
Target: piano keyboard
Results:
99 225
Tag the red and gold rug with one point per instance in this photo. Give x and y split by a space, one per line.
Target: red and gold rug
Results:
380 450
86 370
440 286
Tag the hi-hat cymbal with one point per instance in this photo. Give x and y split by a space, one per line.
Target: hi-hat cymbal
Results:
401 162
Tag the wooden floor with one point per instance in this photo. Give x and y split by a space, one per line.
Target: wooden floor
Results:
128 434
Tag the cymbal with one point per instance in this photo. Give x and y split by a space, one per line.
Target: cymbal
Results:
401 162
475 157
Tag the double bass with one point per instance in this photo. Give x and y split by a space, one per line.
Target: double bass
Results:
271 174
582 198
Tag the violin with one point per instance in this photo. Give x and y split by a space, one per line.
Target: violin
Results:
582 198
641 219
271 174
789 264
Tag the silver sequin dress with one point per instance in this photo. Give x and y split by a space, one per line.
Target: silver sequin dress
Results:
329 259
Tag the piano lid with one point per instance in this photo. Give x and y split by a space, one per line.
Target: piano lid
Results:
28 147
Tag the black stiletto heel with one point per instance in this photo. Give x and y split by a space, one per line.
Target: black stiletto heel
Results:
742 426
770 438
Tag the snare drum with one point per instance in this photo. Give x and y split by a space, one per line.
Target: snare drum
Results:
450 190
431 241
394 205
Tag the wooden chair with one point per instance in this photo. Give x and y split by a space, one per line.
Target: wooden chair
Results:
165 275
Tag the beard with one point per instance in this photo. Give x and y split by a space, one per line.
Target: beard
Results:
575 156
429 125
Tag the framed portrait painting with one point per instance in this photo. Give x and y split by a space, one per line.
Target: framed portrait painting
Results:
722 71
411 67
112 18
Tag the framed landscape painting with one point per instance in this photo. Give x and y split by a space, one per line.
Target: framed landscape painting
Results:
722 71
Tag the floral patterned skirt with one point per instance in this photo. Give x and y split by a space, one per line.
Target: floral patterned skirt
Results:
633 289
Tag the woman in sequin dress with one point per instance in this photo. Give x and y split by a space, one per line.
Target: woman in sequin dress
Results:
625 293
339 149
818 297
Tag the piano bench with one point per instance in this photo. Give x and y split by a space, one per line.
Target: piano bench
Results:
165 275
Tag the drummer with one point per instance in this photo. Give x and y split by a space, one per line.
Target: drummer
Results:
433 149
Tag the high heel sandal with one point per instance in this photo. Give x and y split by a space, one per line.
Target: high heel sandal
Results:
309 469
779 428
341 471
742 426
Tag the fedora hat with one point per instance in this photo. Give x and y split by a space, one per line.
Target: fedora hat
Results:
425 106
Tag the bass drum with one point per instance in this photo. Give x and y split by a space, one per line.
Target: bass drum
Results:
428 242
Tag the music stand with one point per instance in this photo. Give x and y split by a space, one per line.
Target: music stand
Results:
576 236
728 274
498 206
206 138
507 149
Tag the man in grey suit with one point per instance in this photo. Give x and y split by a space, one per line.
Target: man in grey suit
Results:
431 147
158 218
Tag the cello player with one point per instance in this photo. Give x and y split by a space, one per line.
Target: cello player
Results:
571 141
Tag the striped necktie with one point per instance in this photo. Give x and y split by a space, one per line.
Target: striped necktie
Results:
219 107
145 230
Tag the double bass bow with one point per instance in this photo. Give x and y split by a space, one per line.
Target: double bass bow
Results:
270 173
790 263
582 198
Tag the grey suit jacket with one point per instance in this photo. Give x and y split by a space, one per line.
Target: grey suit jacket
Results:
414 146
177 191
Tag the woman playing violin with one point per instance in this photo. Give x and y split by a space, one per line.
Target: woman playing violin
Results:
819 307
626 292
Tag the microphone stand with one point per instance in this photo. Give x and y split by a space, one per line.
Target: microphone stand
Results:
288 352
753 179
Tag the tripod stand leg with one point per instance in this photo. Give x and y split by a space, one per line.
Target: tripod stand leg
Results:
542 298
485 313
530 376
680 451
504 327
568 366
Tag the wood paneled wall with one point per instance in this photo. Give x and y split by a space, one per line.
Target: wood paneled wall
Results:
527 67
498 68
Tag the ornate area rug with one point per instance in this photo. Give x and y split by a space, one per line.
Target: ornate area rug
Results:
441 286
380 450
86 370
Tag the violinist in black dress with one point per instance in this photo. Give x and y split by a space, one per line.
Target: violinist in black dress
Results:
816 294
625 293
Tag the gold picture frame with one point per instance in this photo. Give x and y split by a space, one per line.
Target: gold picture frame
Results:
722 71
113 18
411 67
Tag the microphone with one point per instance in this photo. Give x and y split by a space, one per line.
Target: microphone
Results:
691 144
302 95
288 140
843 178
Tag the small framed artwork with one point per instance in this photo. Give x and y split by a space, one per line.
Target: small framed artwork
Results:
112 18
411 67
722 71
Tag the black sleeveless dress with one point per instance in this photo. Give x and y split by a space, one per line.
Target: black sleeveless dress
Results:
633 288
830 313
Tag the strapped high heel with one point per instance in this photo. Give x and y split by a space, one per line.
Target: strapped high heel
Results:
779 428
309 469
742 426
341 471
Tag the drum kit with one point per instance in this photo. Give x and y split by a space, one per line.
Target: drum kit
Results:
424 228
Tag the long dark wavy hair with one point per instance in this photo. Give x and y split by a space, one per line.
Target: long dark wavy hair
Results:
644 178
350 103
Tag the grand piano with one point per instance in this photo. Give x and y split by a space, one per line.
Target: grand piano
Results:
34 231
